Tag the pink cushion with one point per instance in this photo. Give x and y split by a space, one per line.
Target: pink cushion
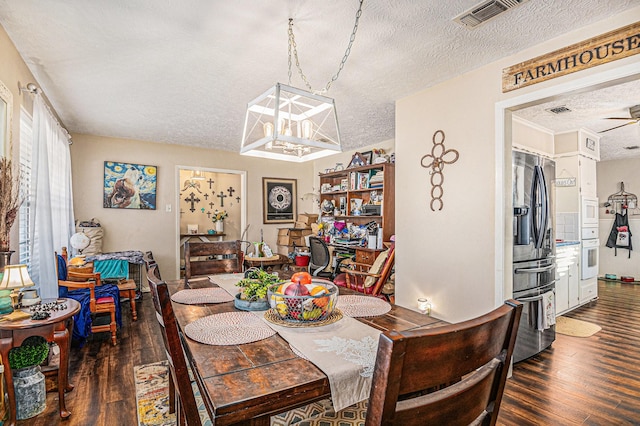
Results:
104 300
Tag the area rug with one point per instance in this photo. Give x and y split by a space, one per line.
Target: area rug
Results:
152 394
152 400
576 328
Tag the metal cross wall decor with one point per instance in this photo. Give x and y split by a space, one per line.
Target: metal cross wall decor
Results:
192 199
210 182
222 197
435 161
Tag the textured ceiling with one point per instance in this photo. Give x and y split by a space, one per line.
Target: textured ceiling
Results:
592 111
182 72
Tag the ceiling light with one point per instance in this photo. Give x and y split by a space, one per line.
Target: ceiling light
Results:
291 124
197 175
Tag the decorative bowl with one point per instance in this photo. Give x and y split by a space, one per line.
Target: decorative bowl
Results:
316 306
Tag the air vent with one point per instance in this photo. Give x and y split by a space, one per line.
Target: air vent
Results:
484 11
632 147
559 110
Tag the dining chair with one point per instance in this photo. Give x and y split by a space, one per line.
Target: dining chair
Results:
449 375
87 288
365 278
214 257
184 396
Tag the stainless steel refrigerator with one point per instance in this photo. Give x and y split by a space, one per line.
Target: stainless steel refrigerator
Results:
533 251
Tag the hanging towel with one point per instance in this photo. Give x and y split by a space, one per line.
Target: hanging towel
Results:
547 311
112 268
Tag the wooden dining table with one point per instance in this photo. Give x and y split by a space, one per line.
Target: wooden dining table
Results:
247 384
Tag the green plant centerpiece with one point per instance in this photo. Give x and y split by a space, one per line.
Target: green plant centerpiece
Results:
28 380
253 290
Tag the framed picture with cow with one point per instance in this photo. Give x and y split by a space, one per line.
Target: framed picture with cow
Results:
129 186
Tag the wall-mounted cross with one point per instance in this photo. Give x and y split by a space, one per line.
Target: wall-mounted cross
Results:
210 182
211 204
202 209
231 191
206 196
238 198
435 161
209 215
192 199
222 197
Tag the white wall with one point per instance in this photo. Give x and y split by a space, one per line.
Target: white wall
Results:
156 230
610 174
450 256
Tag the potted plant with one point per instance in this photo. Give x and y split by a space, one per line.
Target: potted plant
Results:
10 201
28 380
253 290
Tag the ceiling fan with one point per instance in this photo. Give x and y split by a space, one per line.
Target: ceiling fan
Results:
634 112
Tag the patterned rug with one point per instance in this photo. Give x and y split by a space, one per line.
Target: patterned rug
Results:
152 394
576 328
152 399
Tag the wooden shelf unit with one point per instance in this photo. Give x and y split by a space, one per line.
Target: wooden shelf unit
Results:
353 177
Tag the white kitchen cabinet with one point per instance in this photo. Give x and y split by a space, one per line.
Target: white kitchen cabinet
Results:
567 277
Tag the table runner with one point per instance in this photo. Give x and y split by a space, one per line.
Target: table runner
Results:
345 351
227 281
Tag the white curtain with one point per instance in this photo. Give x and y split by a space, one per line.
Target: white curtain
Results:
52 221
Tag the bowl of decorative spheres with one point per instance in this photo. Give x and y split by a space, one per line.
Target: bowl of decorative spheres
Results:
303 303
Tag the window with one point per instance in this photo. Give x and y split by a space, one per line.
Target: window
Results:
24 216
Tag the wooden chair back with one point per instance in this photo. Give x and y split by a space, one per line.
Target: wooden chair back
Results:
187 407
464 367
209 258
149 261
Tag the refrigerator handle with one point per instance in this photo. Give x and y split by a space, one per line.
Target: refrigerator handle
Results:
533 270
535 222
545 207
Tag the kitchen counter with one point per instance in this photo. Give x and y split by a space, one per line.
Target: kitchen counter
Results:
566 243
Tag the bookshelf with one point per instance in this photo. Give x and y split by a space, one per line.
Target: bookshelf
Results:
360 195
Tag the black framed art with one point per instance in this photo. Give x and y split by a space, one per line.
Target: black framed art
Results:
368 156
279 200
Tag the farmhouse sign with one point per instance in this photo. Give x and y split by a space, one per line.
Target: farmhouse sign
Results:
614 45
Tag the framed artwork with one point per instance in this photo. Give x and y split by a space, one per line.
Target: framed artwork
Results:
279 200
357 160
129 186
368 156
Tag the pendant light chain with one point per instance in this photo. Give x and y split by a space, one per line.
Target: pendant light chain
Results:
293 49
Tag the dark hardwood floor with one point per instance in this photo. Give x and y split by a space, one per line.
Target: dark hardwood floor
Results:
578 381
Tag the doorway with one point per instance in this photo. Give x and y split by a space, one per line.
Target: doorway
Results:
503 126
210 206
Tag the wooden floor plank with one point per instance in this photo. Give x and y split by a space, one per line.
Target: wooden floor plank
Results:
578 381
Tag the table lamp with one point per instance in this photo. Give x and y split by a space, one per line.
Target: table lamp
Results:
15 277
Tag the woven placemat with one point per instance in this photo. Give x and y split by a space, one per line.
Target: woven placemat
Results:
198 296
274 318
362 306
228 328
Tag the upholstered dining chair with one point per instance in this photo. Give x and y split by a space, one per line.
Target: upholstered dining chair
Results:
95 299
450 375
183 391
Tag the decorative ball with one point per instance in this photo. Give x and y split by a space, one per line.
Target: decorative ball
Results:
79 241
